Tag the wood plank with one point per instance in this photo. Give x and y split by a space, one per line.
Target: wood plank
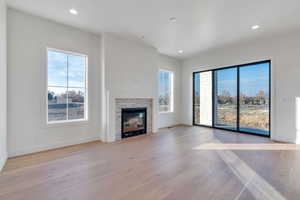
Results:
176 163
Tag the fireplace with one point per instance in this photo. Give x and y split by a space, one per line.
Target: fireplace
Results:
134 122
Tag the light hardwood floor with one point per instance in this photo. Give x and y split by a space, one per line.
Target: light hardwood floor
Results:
179 163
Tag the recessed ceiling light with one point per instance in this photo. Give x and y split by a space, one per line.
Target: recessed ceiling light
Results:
180 51
73 11
173 19
255 27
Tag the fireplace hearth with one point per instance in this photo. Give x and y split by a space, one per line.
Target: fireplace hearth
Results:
134 122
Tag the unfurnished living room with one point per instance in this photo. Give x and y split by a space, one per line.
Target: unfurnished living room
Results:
149 100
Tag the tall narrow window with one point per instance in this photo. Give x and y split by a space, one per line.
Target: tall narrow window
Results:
165 91
226 98
203 98
67 88
254 98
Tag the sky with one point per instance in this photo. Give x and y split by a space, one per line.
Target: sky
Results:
61 64
253 78
164 78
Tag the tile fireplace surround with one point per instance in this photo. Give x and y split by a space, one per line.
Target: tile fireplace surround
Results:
133 103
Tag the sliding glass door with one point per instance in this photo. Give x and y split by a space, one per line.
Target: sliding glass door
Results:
225 96
234 98
254 98
203 98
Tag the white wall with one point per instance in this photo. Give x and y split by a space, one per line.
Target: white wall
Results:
284 51
28 37
118 68
173 118
131 72
3 86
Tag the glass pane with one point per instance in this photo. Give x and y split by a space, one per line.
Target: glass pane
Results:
134 121
76 70
57 104
203 98
57 69
206 98
164 91
76 101
254 98
197 98
226 98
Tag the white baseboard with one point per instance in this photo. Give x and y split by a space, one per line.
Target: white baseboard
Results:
2 162
173 126
284 140
49 147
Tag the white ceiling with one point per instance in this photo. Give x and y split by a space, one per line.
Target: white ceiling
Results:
200 25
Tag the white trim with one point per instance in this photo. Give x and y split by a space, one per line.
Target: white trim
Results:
67 123
2 162
172 92
285 140
50 147
66 52
166 112
51 123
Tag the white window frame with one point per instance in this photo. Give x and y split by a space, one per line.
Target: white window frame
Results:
171 82
85 119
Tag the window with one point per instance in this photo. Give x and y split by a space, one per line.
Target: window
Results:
225 96
165 91
241 98
67 87
254 98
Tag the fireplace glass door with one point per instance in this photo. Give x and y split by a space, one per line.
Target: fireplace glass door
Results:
134 122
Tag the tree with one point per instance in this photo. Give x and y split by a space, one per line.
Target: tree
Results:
225 93
260 97
261 94
76 96
51 95
225 97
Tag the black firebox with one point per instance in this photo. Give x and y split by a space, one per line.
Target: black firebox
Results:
134 122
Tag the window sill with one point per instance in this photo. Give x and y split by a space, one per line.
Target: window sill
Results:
67 123
169 112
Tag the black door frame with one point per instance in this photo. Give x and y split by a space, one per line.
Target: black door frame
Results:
238 97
